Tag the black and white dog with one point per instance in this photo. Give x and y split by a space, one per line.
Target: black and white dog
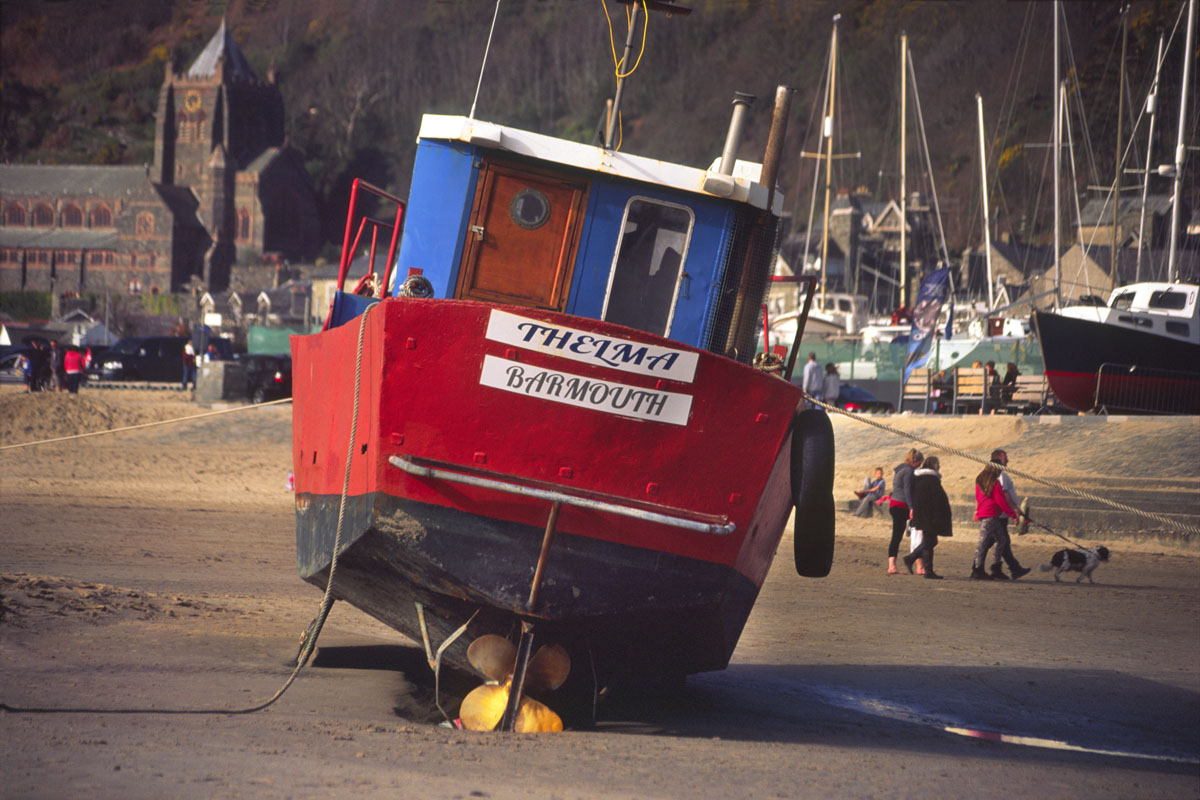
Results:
1082 561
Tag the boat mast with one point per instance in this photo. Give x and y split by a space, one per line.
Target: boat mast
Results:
903 164
1057 166
1152 110
828 131
621 75
987 223
1112 277
1172 262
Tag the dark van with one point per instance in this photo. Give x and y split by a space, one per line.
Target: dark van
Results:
141 358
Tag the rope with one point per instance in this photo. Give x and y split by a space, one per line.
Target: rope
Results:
1176 524
146 424
314 629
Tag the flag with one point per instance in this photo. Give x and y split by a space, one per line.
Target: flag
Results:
934 291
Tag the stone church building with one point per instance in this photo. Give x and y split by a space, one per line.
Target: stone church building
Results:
224 189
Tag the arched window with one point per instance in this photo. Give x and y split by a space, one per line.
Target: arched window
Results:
243 225
101 217
43 216
14 214
72 217
145 224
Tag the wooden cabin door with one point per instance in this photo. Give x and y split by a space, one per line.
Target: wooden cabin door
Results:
523 234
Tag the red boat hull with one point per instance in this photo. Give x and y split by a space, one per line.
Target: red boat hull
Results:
548 401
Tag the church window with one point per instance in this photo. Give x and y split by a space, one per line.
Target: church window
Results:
183 131
95 257
101 217
43 216
145 224
14 214
243 225
39 256
72 217
110 258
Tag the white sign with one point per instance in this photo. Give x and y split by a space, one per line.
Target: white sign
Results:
576 390
592 348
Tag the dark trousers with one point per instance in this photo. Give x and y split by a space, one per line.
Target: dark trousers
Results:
899 523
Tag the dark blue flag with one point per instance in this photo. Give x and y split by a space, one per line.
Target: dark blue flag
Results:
930 297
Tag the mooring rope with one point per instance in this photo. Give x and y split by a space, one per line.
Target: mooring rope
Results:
1175 524
314 629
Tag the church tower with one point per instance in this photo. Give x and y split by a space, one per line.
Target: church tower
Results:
220 133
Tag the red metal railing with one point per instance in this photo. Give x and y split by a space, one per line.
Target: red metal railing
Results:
350 248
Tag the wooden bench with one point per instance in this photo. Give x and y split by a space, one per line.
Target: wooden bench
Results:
916 389
971 390
1029 394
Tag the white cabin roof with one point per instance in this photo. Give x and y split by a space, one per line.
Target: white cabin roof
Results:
742 186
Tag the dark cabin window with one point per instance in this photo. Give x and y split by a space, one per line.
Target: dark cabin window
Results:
1123 300
1168 299
1178 328
648 265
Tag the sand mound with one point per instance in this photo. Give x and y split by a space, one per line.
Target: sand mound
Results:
32 417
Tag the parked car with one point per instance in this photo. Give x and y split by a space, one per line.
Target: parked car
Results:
854 398
268 377
10 367
141 358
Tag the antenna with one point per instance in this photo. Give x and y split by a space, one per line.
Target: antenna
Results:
483 66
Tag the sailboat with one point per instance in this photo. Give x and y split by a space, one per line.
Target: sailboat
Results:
1140 351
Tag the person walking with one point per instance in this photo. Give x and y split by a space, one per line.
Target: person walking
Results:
189 365
873 488
1010 493
812 377
930 515
73 367
831 384
900 503
991 506
58 371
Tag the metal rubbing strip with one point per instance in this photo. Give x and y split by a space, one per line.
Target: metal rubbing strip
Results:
592 348
576 390
560 497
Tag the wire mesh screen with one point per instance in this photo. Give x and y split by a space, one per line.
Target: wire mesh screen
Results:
1122 387
746 275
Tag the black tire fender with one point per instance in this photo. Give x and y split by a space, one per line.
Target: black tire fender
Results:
812 492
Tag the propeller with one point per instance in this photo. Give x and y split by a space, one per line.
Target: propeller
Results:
494 657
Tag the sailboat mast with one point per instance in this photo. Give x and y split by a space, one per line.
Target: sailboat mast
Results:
1057 166
1172 261
1112 277
987 222
1152 110
828 131
903 165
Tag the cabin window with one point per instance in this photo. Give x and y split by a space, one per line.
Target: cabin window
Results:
1137 322
1123 300
1168 299
648 265
1178 328
529 209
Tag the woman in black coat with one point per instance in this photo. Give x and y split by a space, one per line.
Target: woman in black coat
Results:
930 515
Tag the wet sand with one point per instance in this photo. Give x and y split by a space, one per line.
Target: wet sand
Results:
155 569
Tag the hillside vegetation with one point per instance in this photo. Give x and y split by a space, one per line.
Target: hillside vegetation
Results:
80 81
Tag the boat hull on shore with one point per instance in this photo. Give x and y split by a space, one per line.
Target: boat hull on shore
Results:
452 388
1091 364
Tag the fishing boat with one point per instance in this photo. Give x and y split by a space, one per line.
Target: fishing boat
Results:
541 418
1137 353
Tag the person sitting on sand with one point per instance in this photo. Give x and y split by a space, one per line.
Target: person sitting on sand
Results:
873 489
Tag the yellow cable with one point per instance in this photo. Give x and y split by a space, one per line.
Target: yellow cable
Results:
612 44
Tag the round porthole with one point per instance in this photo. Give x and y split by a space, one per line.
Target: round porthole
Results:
529 209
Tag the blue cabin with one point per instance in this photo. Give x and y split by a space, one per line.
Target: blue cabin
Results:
506 216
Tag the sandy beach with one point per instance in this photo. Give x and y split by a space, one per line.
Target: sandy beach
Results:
155 569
